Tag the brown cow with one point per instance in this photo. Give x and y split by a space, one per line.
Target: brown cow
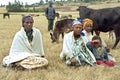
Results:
61 27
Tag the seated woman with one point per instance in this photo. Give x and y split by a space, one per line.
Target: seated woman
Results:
27 47
74 49
99 51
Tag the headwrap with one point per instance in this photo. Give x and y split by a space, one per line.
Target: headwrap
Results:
87 21
76 22
80 20
24 18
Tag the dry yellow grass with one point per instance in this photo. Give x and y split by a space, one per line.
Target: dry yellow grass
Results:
57 69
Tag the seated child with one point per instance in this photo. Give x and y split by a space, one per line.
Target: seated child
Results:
99 51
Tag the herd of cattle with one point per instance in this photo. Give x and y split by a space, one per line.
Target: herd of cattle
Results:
105 20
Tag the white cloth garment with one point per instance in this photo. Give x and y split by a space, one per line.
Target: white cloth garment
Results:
21 48
88 35
68 42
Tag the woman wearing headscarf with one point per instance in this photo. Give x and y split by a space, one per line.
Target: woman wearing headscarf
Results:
87 28
27 48
74 49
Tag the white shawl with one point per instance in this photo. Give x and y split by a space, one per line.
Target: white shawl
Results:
88 35
67 46
21 48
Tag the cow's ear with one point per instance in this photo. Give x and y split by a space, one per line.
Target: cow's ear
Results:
51 34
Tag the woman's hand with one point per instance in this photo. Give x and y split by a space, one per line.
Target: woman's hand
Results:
107 49
73 61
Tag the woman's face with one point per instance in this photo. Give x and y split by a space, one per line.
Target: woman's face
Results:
77 29
28 24
88 27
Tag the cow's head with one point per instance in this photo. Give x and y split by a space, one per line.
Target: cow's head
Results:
53 37
84 12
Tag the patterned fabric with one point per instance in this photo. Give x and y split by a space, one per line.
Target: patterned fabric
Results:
80 20
33 62
80 53
68 49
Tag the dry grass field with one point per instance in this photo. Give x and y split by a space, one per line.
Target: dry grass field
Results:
57 69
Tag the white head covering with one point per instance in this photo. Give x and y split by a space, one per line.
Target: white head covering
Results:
76 22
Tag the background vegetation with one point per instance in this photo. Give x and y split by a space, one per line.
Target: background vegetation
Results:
18 6
57 69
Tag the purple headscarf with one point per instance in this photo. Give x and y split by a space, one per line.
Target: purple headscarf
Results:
26 17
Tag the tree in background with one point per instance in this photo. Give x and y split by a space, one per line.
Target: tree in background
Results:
18 6
15 7
41 2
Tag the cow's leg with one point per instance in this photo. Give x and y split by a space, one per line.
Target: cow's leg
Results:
8 16
92 32
3 16
117 35
116 42
57 39
97 33
62 35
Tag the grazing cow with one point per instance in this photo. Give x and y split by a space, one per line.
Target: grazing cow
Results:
61 27
6 14
104 20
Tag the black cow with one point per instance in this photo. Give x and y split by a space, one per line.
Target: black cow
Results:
6 14
104 19
61 26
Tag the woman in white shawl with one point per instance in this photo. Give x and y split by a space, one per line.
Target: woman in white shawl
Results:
27 48
74 49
